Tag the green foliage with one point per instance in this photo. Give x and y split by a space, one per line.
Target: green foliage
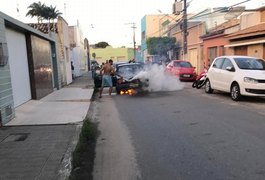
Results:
102 44
41 11
160 45
94 55
88 135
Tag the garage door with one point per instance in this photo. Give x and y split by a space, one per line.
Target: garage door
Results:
18 62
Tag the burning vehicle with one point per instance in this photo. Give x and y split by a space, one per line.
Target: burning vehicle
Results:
127 83
126 80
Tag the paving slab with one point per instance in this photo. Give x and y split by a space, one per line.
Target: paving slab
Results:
38 156
41 113
65 106
66 94
43 149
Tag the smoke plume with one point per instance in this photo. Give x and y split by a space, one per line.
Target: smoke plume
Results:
159 80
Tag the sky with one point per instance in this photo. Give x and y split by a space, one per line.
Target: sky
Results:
110 20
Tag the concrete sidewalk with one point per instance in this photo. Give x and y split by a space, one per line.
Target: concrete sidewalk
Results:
37 144
65 106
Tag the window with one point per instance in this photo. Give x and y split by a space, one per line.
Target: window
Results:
212 54
182 64
250 63
218 63
226 64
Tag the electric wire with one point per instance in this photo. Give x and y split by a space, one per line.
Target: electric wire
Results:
196 16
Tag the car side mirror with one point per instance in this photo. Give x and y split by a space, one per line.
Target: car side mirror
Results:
230 68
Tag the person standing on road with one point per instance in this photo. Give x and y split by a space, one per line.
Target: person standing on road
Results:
108 71
93 69
72 68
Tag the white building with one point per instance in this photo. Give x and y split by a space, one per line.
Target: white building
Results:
78 53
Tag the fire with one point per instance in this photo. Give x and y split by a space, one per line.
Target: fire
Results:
129 92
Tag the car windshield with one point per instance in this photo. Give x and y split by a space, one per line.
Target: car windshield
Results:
250 63
128 71
182 64
118 64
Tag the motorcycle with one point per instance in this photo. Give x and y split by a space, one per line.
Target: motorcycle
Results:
200 80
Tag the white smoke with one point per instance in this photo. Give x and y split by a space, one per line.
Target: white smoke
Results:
159 80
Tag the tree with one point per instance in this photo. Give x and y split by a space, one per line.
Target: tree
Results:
36 9
160 45
51 13
41 11
102 44
94 55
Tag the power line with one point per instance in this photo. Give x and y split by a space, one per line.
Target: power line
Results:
193 17
219 10
216 11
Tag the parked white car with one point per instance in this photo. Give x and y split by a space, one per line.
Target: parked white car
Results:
238 75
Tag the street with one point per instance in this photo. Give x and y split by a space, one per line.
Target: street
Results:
184 134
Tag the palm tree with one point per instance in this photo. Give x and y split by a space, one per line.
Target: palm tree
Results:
54 13
43 12
36 9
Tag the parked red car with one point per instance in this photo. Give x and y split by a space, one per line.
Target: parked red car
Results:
183 69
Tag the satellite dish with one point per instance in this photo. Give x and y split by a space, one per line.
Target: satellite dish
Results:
234 12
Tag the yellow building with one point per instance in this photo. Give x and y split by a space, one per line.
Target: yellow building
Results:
116 54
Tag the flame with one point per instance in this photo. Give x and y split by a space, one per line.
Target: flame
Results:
129 92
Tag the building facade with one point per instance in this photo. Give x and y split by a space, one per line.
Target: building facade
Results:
194 46
249 40
30 70
78 51
60 28
214 41
122 54
155 26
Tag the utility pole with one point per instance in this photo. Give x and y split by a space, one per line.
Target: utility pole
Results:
177 9
185 32
134 43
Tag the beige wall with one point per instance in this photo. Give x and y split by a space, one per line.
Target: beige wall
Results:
251 19
262 16
195 48
229 51
232 29
63 39
152 25
194 34
172 20
255 50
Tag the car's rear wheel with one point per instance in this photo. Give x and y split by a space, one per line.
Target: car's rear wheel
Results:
235 92
208 88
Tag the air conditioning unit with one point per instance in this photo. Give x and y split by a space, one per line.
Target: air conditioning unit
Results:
177 7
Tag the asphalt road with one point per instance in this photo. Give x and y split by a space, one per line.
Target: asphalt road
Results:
188 134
